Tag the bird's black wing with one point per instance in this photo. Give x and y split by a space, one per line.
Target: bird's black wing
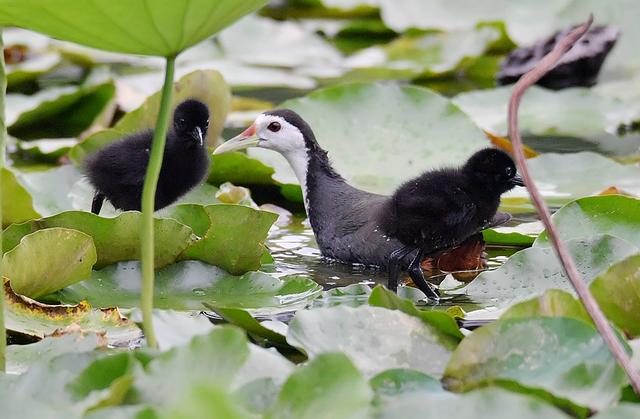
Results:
121 163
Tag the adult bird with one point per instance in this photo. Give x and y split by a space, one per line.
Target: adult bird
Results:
118 170
348 223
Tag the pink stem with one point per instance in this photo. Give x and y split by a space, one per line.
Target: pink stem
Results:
530 78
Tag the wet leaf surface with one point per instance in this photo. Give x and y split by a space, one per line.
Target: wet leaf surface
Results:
561 359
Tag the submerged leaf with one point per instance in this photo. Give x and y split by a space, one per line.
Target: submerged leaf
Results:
48 260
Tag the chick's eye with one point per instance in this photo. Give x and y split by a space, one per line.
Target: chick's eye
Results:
509 171
274 127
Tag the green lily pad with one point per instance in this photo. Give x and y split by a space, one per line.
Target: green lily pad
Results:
615 215
561 359
66 115
176 328
239 169
47 151
553 303
621 411
116 239
522 235
21 357
430 55
618 293
398 383
329 386
246 321
563 178
52 190
207 86
233 238
17 204
405 129
595 116
408 342
37 320
187 285
488 402
382 297
34 56
152 28
48 260
534 270
214 358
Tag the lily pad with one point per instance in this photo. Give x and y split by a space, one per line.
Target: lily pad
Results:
382 297
618 293
143 28
233 238
239 169
593 115
63 116
408 342
553 303
534 270
62 257
207 86
17 204
522 235
397 383
430 55
187 285
37 320
405 129
329 386
563 178
488 402
116 239
558 358
615 215
247 322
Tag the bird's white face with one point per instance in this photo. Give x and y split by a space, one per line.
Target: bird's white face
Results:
272 132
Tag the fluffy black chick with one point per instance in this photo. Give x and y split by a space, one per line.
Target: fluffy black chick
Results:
118 170
442 208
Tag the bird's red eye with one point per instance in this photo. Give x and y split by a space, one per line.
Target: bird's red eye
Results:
274 127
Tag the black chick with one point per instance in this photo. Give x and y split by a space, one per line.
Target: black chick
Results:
442 208
118 170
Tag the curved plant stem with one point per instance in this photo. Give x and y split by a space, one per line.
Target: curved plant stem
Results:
530 78
148 203
3 136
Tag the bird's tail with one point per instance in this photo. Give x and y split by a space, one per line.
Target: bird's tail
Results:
96 205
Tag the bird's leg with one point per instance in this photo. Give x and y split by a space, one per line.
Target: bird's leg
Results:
416 274
394 265
96 205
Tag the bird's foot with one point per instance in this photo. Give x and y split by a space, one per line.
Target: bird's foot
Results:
395 258
416 274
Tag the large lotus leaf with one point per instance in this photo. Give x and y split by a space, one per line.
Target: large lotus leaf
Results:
329 386
374 338
52 190
214 358
116 239
561 358
618 292
203 400
592 115
397 383
610 214
489 402
36 320
534 270
433 54
67 114
234 237
521 235
149 28
187 285
239 169
48 260
176 328
207 86
246 321
365 127
17 204
563 178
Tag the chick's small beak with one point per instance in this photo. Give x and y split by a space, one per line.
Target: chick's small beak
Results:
198 136
517 180
247 138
